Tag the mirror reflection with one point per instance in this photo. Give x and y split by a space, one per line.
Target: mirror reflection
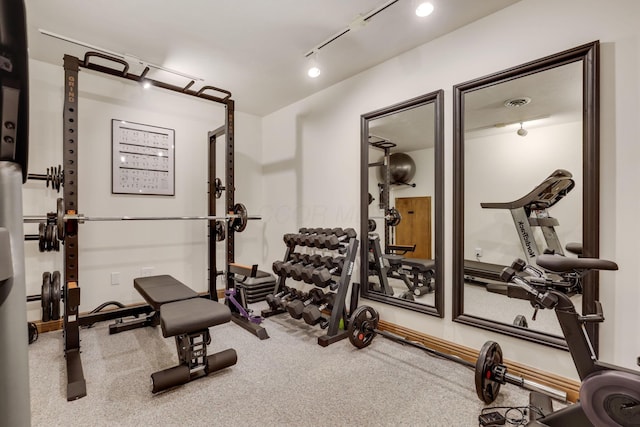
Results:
524 191
401 216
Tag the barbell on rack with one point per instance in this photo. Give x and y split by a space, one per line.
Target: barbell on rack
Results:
490 372
392 217
237 219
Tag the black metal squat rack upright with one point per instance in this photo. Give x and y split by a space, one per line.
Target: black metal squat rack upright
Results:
76 385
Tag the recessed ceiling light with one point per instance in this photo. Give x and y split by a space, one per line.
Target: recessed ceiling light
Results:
424 9
313 72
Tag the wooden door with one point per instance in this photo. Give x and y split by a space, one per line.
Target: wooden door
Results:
415 227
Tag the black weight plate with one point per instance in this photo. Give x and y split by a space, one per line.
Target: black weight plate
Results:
56 293
489 357
372 226
49 236
46 296
239 223
407 295
218 188
521 321
394 217
60 218
42 242
221 234
362 326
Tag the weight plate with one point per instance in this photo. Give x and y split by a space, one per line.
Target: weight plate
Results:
521 321
239 223
407 295
372 226
60 218
42 242
490 356
362 326
49 236
218 188
394 217
220 231
46 296
56 293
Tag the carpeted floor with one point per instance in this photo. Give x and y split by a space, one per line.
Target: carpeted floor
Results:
286 380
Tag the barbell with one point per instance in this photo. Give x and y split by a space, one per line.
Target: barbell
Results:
237 220
490 372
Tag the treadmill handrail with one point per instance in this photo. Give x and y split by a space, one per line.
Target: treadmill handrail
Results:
546 194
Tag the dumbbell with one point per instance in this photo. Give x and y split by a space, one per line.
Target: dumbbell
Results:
321 277
335 263
283 268
296 307
293 295
312 314
274 300
334 241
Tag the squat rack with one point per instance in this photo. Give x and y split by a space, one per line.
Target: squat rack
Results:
76 384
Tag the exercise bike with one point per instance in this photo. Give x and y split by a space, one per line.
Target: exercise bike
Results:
609 394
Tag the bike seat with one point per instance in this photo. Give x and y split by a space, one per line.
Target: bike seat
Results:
561 264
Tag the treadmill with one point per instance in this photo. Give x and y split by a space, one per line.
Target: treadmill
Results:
527 212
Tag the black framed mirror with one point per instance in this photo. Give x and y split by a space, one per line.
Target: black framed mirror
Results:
402 205
526 181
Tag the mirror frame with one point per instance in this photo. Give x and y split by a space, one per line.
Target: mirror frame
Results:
589 54
437 98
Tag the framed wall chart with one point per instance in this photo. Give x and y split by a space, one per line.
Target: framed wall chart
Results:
143 159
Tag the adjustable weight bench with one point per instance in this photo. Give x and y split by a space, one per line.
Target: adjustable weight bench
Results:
182 314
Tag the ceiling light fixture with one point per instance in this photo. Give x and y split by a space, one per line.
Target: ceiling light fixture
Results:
522 131
359 22
424 9
126 57
146 84
314 68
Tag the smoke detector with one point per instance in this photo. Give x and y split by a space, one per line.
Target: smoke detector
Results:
517 102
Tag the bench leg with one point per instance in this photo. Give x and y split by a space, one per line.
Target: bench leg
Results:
194 362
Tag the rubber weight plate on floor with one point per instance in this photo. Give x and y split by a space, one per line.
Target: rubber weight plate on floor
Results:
362 326
46 296
490 356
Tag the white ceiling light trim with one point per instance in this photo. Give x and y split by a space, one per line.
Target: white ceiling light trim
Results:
424 9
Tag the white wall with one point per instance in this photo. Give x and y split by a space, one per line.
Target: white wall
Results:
311 151
178 248
504 167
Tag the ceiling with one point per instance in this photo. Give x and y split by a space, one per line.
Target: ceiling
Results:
253 48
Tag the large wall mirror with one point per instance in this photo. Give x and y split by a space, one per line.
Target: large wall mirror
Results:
526 181
401 204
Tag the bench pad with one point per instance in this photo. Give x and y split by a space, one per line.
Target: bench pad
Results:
159 290
192 315
420 264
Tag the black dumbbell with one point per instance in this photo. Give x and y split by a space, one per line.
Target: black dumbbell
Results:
283 268
335 263
293 295
289 239
334 241
321 277
296 271
296 307
273 300
312 314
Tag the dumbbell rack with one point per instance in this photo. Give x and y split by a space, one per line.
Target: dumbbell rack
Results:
338 311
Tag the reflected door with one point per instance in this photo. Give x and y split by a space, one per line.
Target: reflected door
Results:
415 227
